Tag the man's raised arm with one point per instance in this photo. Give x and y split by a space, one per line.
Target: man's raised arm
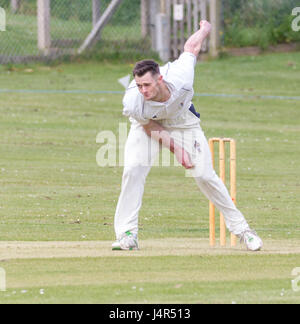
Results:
194 43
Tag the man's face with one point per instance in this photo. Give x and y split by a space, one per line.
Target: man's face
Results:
149 85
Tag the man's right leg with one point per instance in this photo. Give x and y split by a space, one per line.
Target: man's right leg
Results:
140 154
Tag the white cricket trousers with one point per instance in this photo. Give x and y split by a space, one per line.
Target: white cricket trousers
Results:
141 153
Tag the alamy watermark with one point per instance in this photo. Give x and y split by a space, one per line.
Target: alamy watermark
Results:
2 280
296 280
150 153
296 21
112 151
2 20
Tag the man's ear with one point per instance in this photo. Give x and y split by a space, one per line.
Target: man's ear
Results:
160 78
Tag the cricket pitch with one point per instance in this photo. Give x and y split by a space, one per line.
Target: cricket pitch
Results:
154 247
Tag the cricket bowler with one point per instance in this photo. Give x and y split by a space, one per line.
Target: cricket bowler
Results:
159 105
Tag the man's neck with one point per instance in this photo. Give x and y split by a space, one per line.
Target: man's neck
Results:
164 94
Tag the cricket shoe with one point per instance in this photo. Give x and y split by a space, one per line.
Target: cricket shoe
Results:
252 240
127 242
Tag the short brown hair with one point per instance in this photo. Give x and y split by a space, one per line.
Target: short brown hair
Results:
143 67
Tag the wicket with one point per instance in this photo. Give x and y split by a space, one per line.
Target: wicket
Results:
222 165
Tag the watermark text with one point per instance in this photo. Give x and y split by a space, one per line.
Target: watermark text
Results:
2 20
123 149
296 279
2 280
296 21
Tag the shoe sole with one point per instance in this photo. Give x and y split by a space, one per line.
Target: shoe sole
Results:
120 249
258 249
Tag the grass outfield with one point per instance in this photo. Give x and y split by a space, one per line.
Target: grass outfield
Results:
52 190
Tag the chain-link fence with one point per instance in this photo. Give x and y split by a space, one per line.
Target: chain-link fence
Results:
65 25
35 31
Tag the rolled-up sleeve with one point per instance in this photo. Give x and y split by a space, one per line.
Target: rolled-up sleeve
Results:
181 72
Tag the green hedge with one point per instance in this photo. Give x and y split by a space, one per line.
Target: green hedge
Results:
258 22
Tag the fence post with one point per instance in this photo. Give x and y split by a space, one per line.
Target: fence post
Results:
215 19
96 11
203 8
153 10
15 5
163 28
96 15
145 24
44 38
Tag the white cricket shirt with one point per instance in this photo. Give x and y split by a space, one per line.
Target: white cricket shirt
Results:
174 113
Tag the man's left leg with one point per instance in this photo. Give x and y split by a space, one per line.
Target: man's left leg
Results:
213 187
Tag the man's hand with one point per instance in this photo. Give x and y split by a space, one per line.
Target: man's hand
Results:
205 28
183 158
157 132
